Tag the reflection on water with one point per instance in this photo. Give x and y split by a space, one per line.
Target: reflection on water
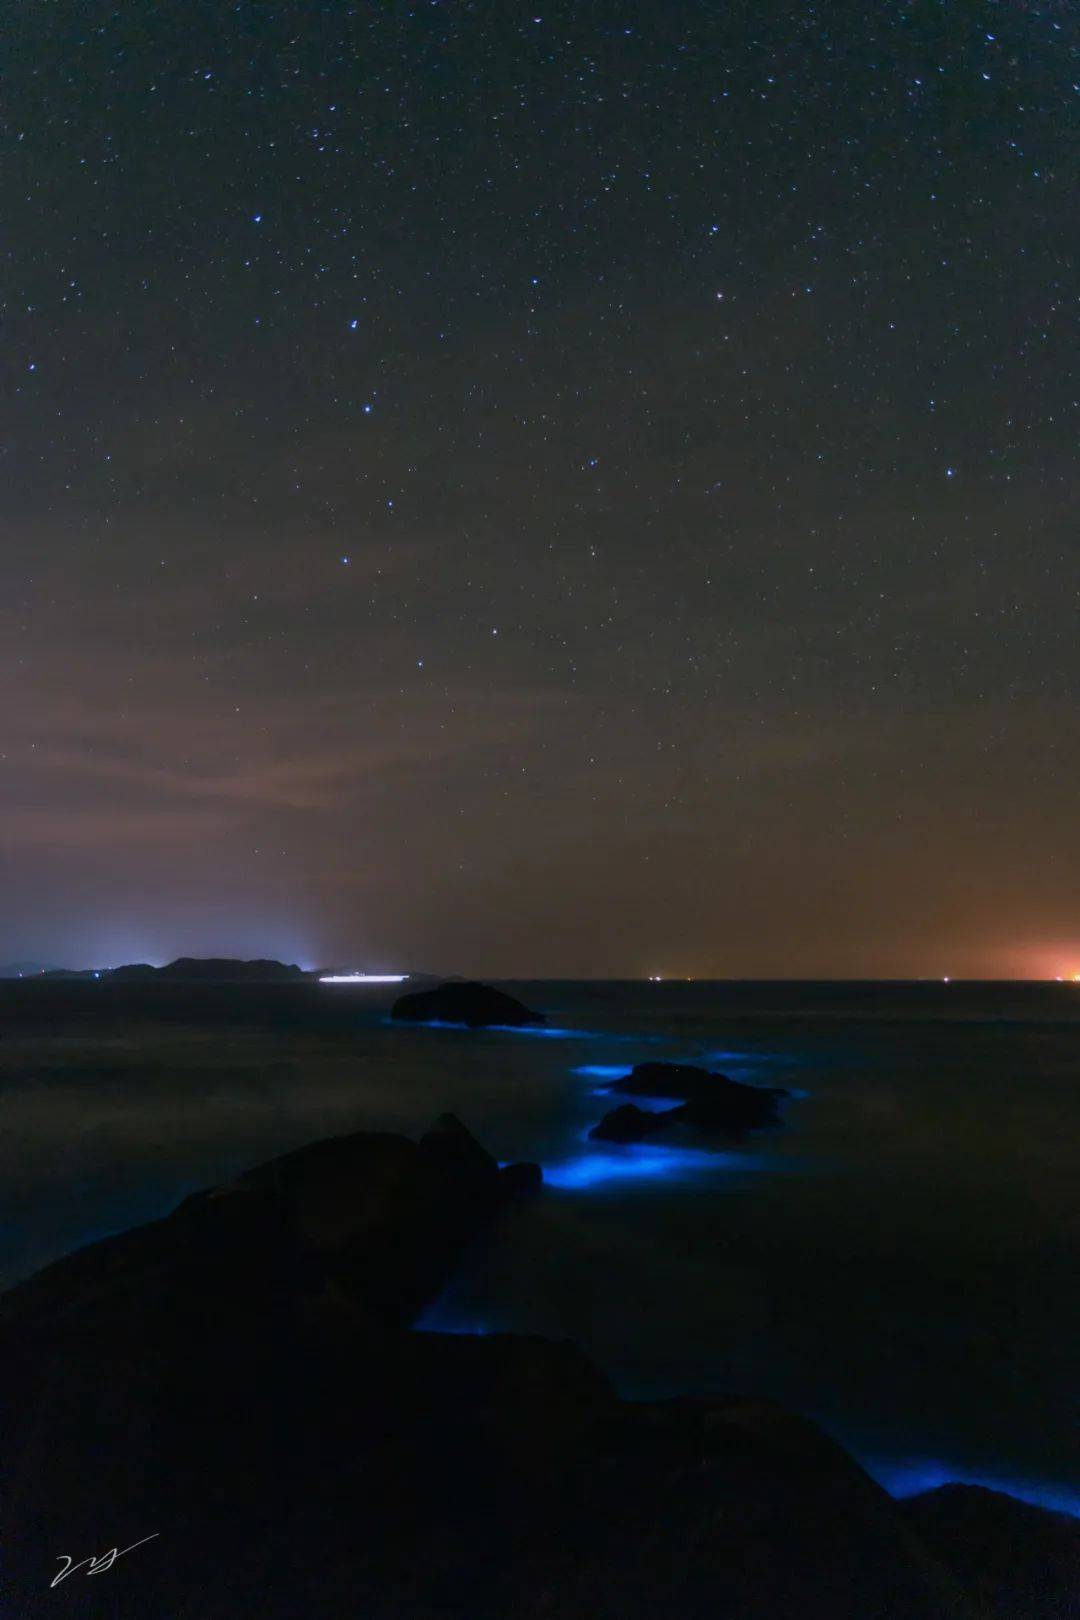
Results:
898 1262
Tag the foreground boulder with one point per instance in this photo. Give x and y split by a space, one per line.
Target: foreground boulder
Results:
464 1003
373 1219
711 1102
522 1180
214 1364
238 1382
1018 1559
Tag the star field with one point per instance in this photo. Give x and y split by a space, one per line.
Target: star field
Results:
542 489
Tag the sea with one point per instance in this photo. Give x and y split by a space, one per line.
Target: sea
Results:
899 1260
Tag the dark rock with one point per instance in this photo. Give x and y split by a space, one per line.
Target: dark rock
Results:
711 1102
450 1146
463 1003
373 1218
730 1109
521 1180
1020 1560
628 1123
675 1080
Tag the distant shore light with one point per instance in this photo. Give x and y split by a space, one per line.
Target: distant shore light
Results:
362 978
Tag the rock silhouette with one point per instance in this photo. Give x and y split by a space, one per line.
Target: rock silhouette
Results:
710 1102
628 1123
208 969
463 1003
239 1381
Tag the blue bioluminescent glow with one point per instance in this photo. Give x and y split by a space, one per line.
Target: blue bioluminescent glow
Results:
744 1058
911 1477
422 1023
744 1063
647 1105
443 1316
466 1326
500 1029
617 1071
638 1161
546 1031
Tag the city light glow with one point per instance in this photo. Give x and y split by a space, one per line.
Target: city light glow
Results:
362 978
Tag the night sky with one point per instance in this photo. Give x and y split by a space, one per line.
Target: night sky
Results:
550 489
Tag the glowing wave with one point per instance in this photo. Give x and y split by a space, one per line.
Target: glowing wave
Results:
502 1029
911 1477
639 1161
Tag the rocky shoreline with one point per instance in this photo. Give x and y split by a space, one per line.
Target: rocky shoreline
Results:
241 1381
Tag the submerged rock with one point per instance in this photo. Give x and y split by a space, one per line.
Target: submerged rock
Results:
463 1003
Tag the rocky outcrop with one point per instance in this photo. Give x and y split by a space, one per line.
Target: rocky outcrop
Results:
710 1102
675 1080
463 1003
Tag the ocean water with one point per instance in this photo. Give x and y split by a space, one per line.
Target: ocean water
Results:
898 1261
